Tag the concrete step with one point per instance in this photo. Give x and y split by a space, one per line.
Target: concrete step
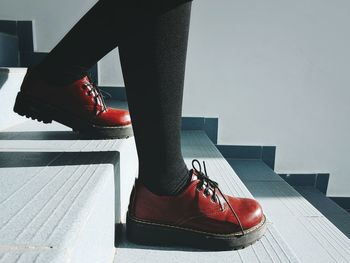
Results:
10 82
334 213
56 206
51 159
61 197
271 248
308 232
9 52
32 136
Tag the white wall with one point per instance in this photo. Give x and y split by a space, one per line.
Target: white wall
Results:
279 73
274 72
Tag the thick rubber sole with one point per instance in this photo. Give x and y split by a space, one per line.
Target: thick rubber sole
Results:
35 109
46 113
148 233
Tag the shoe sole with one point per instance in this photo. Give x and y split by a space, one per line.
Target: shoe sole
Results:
43 112
148 233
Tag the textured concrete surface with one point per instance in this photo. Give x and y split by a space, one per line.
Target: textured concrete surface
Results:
337 215
271 248
39 164
56 207
32 136
308 232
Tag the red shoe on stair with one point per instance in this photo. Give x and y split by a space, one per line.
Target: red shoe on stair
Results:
78 105
200 216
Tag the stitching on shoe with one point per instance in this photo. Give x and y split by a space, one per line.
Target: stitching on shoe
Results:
239 233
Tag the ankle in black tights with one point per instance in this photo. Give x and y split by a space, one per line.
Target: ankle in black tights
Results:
152 47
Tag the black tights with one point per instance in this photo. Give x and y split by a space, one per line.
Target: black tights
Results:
152 43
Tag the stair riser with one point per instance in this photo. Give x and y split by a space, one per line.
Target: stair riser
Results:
96 239
8 50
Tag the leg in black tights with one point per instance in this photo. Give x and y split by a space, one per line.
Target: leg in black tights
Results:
152 45
153 57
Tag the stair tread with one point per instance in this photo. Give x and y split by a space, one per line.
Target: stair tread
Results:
31 136
271 248
39 136
309 233
25 148
47 200
35 136
337 215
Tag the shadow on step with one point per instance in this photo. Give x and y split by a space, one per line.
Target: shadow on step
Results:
44 159
122 242
41 135
278 196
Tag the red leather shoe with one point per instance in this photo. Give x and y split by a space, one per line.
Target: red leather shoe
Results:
78 105
200 216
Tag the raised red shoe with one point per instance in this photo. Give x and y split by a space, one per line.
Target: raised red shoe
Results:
200 216
78 105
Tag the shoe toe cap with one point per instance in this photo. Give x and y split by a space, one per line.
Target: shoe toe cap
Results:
248 210
251 213
117 117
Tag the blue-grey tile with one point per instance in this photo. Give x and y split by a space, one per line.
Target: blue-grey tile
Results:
300 179
211 128
26 159
8 27
268 156
8 50
344 202
116 93
192 123
240 151
341 222
25 34
330 209
322 182
323 203
253 170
